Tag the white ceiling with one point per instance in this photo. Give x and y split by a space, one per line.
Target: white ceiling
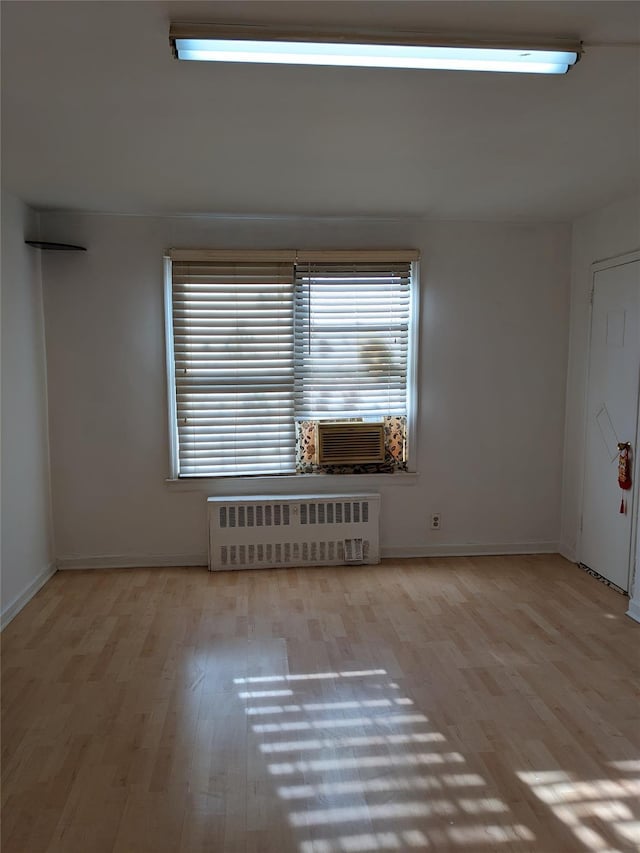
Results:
97 115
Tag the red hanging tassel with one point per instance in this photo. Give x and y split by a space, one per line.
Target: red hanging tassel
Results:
624 465
624 471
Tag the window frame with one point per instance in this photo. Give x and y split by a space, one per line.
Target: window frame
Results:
174 461
413 359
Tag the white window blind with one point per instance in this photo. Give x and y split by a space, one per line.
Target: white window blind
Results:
232 326
351 338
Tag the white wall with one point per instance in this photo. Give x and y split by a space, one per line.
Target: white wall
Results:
604 233
492 373
26 539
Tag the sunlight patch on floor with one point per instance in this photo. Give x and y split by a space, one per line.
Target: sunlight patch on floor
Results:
311 676
366 812
264 694
344 742
366 761
326 723
367 842
491 834
352 775
326 706
599 812
629 766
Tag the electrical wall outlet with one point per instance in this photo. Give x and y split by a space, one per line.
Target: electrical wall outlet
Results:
436 521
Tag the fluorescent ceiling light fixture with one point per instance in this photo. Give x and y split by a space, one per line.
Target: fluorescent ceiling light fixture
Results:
210 43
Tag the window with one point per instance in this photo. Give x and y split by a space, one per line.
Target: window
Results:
258 342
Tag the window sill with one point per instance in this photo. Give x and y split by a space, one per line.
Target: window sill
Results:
281 484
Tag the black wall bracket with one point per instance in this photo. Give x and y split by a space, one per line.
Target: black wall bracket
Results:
55 247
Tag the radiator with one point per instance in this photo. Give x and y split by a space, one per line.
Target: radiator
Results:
292 530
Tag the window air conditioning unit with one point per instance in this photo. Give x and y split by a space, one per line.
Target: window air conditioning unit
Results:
350 443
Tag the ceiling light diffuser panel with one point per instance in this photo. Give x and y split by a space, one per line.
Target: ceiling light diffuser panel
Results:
204 43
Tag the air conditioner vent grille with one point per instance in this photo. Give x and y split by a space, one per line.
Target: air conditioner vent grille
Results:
350 443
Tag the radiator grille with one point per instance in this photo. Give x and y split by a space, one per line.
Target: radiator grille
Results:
287 553
294 531
268 515
339 512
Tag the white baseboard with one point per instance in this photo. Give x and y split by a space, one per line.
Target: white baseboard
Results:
128 561
132 561
567 553
471 550
634 609
14 607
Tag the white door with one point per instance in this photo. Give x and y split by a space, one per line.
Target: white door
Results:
612 417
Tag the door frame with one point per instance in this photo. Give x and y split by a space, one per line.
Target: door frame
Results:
596 267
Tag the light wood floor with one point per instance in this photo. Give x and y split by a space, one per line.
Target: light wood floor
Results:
485 704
